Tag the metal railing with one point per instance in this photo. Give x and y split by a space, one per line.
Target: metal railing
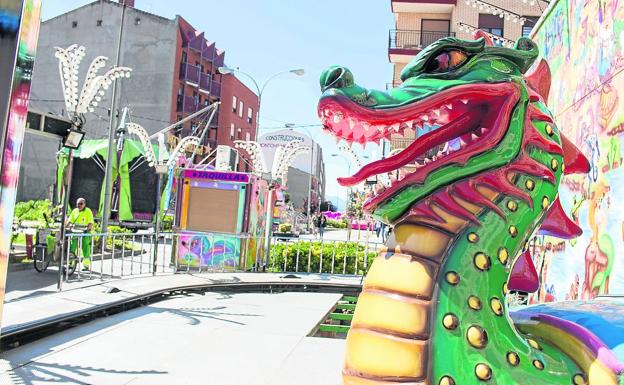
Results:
116 255
291 255
119 255
413 39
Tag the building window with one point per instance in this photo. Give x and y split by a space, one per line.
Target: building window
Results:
183 57
248 136
240 109
491 24
234 103
240 133
137 21
98 23
528 25
74 24
206 102
431 31
249 115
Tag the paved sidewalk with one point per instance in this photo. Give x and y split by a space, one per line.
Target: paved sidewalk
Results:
27 303
216 338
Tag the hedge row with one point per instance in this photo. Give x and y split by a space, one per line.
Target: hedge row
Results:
287 252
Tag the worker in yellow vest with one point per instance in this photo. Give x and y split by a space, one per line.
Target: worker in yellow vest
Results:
81 218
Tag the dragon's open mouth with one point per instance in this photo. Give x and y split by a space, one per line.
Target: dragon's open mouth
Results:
467 120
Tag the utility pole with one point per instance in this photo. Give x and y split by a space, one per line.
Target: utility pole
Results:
108 175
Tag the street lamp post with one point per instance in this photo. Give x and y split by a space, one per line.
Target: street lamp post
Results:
260 90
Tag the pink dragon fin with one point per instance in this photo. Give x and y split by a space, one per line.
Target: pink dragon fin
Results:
574 160
479 33
539 79
557 224
523 275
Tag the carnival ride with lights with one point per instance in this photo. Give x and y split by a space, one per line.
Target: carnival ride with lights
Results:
433 308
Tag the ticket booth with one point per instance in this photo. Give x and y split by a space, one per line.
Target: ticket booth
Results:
220 219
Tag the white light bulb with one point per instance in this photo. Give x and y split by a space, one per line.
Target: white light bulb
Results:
105 86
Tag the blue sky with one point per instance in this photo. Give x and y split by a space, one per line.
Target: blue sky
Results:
269 36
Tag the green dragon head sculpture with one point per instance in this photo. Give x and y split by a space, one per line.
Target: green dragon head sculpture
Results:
479 180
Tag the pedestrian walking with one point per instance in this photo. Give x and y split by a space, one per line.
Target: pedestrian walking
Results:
320 223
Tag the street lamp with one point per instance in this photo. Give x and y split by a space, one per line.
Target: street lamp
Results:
349 169
260 90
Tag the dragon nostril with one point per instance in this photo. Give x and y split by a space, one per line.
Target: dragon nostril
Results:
336 77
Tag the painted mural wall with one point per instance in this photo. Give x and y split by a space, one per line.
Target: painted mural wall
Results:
583 41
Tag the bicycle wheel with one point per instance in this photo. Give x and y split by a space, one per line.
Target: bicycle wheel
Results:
73 263
41 260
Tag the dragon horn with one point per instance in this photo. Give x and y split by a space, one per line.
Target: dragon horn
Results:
480 33
523 275
539 79
574 160
557 224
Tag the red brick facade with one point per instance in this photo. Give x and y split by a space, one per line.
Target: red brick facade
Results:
234 123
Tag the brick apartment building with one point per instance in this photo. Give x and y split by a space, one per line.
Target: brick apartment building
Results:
419 23
175 73
237 114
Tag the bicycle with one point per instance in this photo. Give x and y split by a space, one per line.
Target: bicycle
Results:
48 248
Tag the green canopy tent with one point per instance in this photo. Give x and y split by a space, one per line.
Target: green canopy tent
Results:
132 150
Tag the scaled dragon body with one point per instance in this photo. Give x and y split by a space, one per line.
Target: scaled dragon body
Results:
470 192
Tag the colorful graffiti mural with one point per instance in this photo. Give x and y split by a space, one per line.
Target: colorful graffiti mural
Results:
583 41
257 222
208 250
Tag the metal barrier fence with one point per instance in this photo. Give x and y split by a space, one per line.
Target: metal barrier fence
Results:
117 255
292 255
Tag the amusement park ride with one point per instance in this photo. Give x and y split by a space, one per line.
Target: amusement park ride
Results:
433 306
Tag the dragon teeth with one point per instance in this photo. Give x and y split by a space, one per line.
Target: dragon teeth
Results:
351 123
465 101
473 136
449 106
337 118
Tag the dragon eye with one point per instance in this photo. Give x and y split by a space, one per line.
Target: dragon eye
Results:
447 61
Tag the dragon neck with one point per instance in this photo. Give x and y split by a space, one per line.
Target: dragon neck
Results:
470 323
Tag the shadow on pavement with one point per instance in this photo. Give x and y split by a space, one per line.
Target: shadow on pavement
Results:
23 365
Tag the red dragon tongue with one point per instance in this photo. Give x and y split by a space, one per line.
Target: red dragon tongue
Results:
557 224
523 275
574 160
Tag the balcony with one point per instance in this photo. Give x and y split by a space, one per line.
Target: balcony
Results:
215 89
204 82
404 44
189 73
423 6
186 104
